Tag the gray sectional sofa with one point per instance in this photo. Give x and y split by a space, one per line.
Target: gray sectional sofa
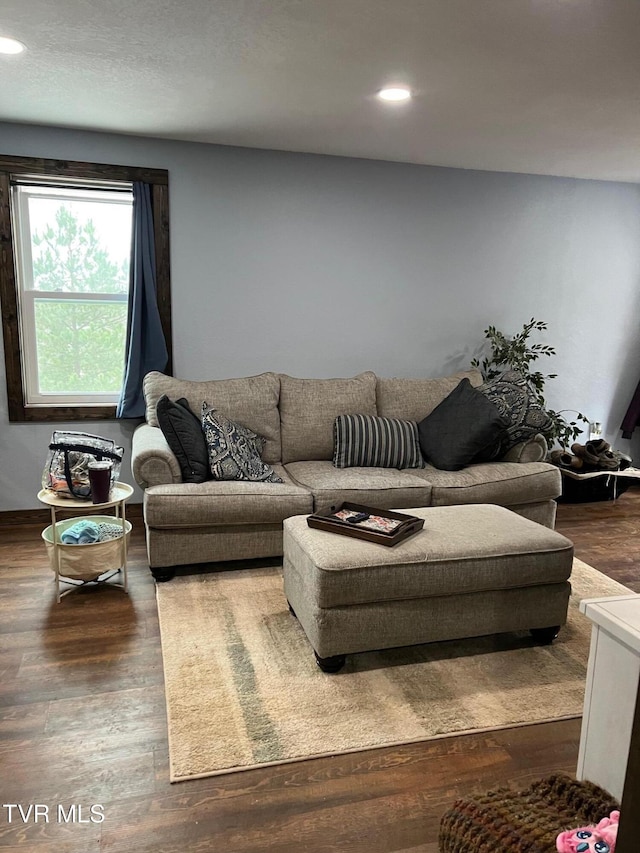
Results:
215 521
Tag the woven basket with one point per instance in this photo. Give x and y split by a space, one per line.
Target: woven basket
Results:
507 821
85 562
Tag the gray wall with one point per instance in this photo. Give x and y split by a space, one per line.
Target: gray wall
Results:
325 266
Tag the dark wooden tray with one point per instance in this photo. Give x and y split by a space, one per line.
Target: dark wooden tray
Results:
409 524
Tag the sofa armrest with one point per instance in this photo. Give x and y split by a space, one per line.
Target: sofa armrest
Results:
533 450
152 461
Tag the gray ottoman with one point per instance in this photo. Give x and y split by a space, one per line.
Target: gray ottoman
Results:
473 570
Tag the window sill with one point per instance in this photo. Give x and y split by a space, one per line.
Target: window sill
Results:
53 414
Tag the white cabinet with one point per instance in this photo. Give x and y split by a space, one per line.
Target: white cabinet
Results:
612 686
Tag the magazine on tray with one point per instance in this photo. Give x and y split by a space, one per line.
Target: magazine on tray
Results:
385 527
379 523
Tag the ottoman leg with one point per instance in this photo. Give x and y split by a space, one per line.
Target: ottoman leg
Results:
545 636
291 610
332 664
164 574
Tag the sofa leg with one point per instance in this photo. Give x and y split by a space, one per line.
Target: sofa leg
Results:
291 610
545 636
166 573
331 664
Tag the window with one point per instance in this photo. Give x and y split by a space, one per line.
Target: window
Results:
65 241
73 248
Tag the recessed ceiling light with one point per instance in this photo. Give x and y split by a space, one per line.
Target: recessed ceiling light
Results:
395 93
8 45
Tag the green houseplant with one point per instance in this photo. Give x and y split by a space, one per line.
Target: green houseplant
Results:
518 353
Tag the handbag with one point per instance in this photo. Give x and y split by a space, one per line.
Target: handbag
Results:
66 470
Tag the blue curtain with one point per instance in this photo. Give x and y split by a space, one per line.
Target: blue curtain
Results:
146 347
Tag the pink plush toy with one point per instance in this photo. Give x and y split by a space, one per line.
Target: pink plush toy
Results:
591 839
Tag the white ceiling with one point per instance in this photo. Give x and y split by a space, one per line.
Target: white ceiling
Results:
540 86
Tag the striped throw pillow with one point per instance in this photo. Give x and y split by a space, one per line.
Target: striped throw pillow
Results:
374 442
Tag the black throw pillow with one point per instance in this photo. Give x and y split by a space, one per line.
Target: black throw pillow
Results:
183 431
462 429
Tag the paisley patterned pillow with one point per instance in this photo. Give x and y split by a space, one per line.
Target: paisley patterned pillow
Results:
234 450
516 402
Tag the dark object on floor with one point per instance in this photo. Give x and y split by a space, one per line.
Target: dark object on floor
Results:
604 488
529 821
607 486
163 574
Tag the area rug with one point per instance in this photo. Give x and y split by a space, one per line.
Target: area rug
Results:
243 689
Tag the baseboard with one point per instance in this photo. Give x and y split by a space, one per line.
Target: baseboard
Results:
19 517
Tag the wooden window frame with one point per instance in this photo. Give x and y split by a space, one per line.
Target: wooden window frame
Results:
19 412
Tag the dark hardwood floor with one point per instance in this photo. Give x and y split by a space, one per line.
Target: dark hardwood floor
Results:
82 722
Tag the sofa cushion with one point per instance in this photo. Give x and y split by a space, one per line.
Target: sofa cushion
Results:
183 431
234 450
309 407
511 394
504 483
384 488
465 427
251 401
373 442
414 399
225 502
